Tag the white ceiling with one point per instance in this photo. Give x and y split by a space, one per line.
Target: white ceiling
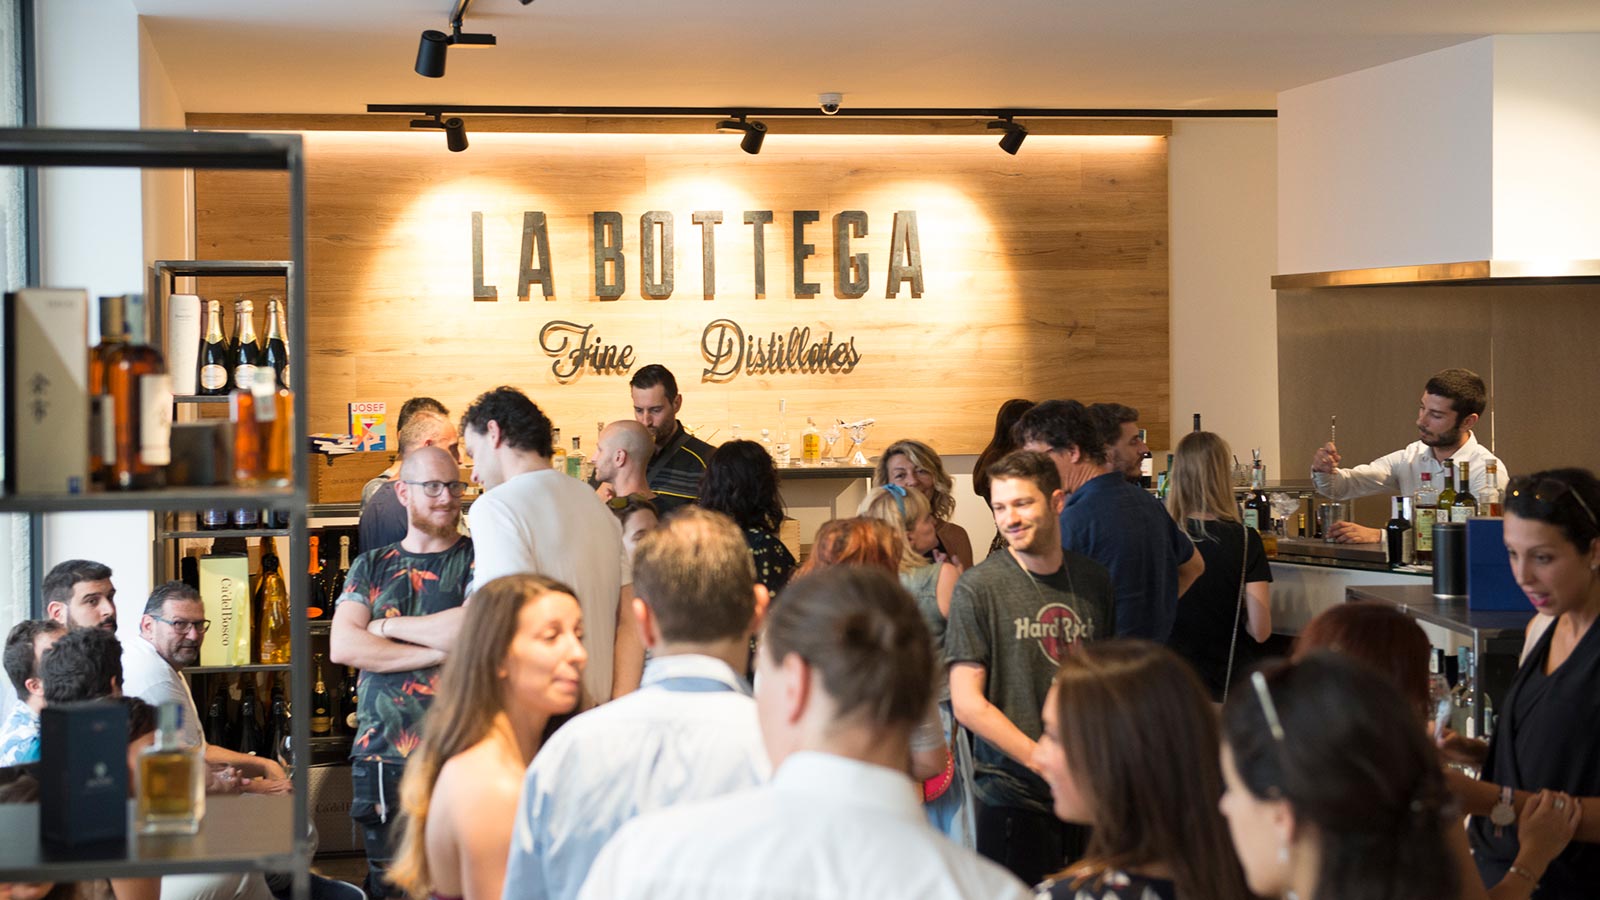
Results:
336 56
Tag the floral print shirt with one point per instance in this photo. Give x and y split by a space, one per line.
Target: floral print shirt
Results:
392 582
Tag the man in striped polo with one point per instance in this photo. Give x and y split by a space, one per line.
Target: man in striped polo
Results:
680 457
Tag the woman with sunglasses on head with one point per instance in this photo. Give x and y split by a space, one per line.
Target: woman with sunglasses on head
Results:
931 584
741 482
1129 748
1548 737
497 701
1333 792
914 465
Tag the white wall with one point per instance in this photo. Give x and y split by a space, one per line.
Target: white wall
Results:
1223 229
1546 143
1388 166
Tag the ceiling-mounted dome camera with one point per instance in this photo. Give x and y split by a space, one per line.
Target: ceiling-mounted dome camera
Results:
829 103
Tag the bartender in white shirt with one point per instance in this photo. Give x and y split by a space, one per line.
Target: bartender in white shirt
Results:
1451 403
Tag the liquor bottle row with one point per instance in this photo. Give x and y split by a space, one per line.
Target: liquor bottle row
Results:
238 719
1455 700
573 462
231 364
1408 536
257 632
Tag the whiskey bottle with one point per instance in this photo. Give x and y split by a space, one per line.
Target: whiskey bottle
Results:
275 352
1465 505
1424 507
558 453
213 380
102 420
321 704
246 351
273 623
171 783
141 402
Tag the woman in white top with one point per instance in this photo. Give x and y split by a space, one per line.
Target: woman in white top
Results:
520 665
842 678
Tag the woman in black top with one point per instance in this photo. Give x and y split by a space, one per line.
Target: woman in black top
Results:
742 483
1130 748
1212 625
999 445
1549 731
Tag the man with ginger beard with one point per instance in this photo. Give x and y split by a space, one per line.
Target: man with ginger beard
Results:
396 620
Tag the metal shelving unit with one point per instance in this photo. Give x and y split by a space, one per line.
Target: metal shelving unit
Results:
239 833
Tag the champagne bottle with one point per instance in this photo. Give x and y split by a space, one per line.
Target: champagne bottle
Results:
317 605
102 419
352 702
273 624
1489 497
321 704
171 783
141 402
213 354
275 352
344 562
246 351
1465 506
1424 507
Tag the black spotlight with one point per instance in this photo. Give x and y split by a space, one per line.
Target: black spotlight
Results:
431 53
455 130
754 133
1014 135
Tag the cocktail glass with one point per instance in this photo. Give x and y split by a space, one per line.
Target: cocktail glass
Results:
858 436
830 436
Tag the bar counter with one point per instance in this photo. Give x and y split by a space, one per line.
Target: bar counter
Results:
1310 575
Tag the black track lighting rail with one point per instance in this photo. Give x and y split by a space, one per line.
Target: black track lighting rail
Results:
795 112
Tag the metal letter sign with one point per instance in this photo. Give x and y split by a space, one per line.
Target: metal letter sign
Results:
905 241
480 291
662 289
851 221
707 220
535 233
609 249
802 287
760 218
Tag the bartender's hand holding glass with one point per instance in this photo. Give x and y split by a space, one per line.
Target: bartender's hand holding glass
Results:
1351 533
1326 459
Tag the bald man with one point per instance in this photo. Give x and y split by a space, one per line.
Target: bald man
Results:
621 461
383 516
396 620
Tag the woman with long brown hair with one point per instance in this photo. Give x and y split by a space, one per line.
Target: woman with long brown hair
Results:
520 665
1130 748
1227 612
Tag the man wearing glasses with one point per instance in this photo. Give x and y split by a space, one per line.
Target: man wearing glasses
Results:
170 631
396 621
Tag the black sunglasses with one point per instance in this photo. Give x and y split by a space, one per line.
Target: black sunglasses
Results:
1549 491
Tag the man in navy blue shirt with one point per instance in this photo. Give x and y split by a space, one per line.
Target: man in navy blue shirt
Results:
1152 562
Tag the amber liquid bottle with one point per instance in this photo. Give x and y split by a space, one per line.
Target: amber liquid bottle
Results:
141 401
274 622
102 421
171 786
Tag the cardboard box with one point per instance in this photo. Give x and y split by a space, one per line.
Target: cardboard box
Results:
225 591
1490 584
83 778
47 391
339 479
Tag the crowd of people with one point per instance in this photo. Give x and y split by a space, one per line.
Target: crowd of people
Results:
630 689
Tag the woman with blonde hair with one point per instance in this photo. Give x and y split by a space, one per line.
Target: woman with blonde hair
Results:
1227 612
519 668
931 584
913 464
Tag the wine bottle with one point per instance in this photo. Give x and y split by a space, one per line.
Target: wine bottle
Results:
1489 496
251 739
1424 508
1399 537
213 354
189 571
317 603
1465 506
246 351
1196 421
321 704
102 419
1257 508
274 619
1147 470
348 711
275 352
1447 497
278 721
141 402
217 725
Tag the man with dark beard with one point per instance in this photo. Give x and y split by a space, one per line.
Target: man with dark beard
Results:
396 619
1451 403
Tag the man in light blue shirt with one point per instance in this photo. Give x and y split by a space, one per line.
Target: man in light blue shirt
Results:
25 645
689 733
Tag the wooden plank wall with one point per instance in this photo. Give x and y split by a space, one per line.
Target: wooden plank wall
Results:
1046 273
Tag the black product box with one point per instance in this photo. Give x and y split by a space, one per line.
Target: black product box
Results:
202 454
83 778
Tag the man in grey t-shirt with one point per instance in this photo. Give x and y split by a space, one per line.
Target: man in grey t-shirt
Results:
1012 618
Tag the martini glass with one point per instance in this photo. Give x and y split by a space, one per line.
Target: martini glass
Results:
829 438
858 436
